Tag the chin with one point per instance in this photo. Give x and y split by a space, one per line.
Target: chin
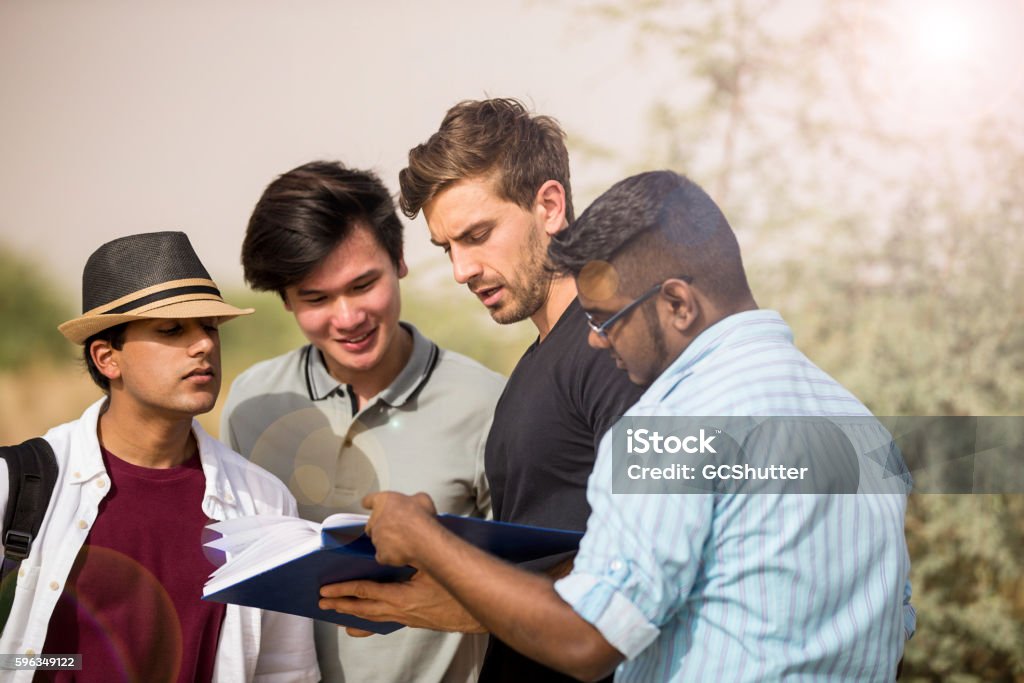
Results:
203 409
507 315
359 363
638 380
202 406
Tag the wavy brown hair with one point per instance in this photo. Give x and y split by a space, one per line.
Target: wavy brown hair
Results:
497 137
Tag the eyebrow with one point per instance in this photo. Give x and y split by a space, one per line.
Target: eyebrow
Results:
485 224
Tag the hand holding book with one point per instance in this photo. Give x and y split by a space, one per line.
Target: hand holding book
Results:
420 602
281 563
398 525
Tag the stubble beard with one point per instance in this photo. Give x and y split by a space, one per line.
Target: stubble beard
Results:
529 290
658 343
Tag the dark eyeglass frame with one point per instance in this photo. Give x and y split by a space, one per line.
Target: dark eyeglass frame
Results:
602 329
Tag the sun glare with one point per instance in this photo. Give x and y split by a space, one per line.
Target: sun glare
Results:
935 65
943 33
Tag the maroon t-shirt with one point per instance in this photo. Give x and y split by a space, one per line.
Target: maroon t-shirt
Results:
131 606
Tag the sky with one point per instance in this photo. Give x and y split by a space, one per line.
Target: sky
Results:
120 117
124 117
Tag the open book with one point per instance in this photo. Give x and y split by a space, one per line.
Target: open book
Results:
280 563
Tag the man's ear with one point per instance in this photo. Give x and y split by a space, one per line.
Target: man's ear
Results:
403 269
104 357
284 300
549 206
681 304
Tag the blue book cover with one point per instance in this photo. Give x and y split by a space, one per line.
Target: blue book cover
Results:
280 563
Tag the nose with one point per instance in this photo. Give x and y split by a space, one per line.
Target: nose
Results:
204 341
347 315
464 266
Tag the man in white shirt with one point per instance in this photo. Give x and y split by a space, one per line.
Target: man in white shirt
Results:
116 571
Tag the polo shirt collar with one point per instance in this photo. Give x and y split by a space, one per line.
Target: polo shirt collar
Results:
322 384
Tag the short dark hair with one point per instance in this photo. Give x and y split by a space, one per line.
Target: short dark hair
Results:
479 138
651 227
115 337
307 212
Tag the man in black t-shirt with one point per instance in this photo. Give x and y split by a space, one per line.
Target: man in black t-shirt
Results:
493 185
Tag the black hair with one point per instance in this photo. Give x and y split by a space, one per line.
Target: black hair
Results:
115 337
651 227
307 212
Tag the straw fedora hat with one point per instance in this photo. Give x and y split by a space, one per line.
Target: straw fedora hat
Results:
139 277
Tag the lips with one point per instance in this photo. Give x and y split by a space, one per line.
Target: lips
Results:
360 342
489 296
201 375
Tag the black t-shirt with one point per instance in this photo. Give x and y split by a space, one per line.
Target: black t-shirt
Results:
559 401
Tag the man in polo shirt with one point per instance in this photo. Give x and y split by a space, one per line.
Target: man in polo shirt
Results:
369 404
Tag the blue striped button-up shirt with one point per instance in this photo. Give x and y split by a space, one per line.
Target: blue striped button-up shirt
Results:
746 587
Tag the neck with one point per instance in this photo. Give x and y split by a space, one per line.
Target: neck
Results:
368 383
146 441
561 292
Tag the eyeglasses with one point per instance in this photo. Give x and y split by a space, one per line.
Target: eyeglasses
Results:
602 329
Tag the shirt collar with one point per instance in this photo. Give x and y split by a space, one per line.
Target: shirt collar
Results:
321 384
727 331
218 484
86 462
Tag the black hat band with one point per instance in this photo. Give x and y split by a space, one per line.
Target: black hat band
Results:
165 294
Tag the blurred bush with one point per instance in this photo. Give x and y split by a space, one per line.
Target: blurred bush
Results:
31 308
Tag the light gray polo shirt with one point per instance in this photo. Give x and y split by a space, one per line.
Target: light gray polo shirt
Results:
424 432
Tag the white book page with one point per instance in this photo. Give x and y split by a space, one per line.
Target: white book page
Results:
344 519
240 532
255 545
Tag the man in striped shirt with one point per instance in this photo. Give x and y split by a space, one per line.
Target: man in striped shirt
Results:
717 584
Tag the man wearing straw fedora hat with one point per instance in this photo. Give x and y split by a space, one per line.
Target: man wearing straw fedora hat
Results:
117 568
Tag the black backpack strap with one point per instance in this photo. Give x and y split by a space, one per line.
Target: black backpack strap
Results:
31 475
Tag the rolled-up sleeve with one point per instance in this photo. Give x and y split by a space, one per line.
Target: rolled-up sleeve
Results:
637 561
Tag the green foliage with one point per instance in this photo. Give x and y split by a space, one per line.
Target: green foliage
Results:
30 311
968 588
